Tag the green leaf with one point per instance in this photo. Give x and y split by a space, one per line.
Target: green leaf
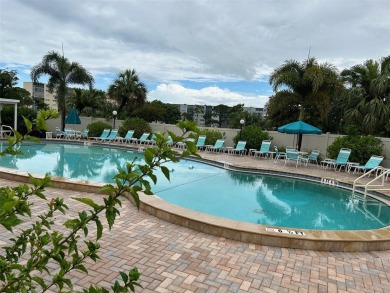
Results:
99 228
27 123
148 156
87 201
166 172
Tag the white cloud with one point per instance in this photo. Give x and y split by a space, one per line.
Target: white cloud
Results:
172 41
213 95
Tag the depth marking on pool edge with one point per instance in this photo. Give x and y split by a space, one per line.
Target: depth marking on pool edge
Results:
285 231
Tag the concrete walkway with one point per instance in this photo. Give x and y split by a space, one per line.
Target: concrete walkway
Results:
177 259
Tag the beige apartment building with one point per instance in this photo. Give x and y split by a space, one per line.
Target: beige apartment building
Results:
39 90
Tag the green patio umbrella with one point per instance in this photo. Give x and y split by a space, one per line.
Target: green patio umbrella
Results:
72 117
299 127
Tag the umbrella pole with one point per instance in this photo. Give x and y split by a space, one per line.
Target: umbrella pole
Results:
299 141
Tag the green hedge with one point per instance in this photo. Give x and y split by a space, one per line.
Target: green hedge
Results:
96 128
362 147
139 126
253 135
212 136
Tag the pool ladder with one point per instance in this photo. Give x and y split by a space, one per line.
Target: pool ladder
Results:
380 174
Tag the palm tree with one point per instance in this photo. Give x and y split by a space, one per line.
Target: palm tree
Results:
127 89
306 91
369 94
61 74
87 102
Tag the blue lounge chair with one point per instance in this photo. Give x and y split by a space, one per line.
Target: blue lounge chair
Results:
112 136
341 160
292 156
264 149
218 146
152 140
200 144
104 134
239 149
127 138
372 163
312 158
142 139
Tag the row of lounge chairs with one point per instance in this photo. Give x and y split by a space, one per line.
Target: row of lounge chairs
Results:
290 155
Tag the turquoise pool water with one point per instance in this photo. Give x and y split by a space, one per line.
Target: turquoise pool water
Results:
254 198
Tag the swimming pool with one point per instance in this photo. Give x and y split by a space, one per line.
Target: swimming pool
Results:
253 198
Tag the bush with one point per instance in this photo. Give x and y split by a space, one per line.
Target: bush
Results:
96 128
7 118
139 126
363 147
253 135
212 136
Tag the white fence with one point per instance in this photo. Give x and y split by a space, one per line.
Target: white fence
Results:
309 141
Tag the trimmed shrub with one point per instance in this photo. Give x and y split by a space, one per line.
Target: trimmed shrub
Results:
212 136
253 135
139 126
96 128
363 147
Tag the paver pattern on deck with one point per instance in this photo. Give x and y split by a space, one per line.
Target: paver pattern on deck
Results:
176 259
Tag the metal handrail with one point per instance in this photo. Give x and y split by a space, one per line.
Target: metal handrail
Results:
369 185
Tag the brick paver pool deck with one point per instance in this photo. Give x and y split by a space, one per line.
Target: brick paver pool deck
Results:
177 259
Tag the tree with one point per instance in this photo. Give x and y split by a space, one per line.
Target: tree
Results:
368 98
127 89
171 114
87 102
222 111
61 74
151 111
307 90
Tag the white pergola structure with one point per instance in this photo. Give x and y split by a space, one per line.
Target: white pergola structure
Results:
10 102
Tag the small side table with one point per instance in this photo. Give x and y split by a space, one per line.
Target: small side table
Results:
252 151
351 165
49 135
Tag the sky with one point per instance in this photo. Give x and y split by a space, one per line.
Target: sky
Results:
193 51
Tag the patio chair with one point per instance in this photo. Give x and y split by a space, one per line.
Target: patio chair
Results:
264 149
83 134
112 136
218 146
312 158
239 149
341 160
282 155
69 133
104 134
372 163
292 156
59 133
128 136
200 144
142 139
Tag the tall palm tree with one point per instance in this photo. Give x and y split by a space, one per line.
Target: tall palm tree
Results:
127 89
61 74
369 94
304 89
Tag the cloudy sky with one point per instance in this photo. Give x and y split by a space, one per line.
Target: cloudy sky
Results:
193 51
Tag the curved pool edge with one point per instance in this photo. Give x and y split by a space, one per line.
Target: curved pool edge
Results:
325 240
